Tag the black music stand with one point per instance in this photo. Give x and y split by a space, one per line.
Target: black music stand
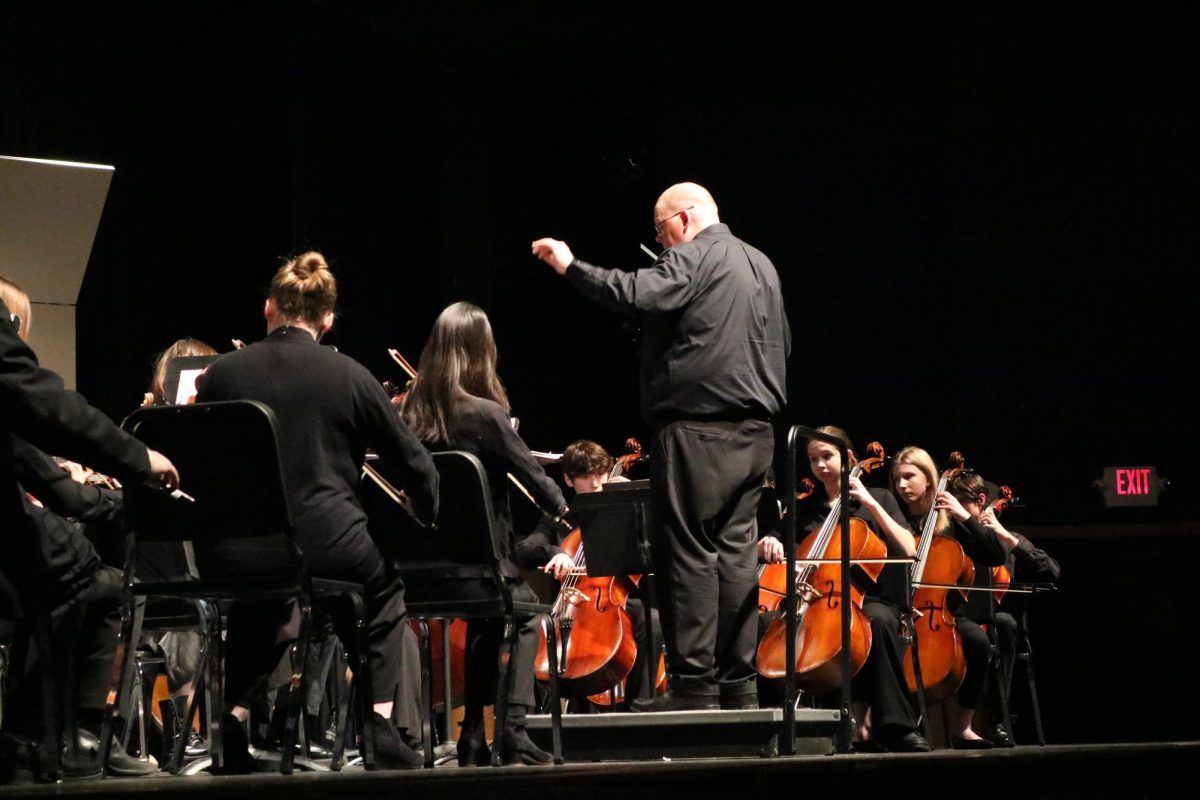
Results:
613 525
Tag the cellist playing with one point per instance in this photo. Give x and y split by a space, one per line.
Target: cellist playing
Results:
915 480
879 686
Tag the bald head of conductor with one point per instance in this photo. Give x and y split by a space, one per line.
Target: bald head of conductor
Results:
681 212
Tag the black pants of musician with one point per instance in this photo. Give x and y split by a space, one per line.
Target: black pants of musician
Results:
52 566
705 480
977 652
880 682
260 634
484 637
636 684
1009 637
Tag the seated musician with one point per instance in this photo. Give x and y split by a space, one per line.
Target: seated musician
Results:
586 467
879 686
51 565
329 409
457 402
915 478
1028 564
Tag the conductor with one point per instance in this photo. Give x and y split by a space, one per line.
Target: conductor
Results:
715 342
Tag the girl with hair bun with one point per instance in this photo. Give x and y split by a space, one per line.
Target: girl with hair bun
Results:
329 409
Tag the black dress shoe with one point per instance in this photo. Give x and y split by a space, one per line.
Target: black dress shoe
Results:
472 744
1000 737
677 702
235 748
391 751
517 748
120 763
739 702
959 743
907 742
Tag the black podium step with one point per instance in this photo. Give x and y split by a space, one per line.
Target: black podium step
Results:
685 734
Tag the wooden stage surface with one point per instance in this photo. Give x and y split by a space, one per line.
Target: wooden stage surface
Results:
1144 770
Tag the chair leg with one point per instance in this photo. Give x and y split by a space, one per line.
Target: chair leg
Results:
342 709
555 705
427 688
51 703
504 683
447 684
214 695
364 690
1027 657
295 689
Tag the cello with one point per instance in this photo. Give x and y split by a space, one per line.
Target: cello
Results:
819 592
772 578
1001 577
595 636
940 562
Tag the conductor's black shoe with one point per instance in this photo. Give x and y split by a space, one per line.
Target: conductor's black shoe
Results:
391 752
959 743
1000 737
677 702
739 702
906 742
517 748
472 744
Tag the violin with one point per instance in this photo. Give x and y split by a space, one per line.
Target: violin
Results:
819 595
596 644
940 562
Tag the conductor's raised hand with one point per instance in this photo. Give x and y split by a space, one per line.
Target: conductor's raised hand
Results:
555 253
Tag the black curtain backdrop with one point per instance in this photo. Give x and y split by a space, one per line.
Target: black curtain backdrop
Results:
985 222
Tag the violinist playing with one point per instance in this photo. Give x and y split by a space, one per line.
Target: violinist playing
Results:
329 410
962 503
879 687
457 402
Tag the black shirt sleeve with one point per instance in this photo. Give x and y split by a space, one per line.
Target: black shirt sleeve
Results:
508 448
980 543
392 439
536 549
35 405
1031 563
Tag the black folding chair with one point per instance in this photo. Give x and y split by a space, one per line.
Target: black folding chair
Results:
463 546
228 458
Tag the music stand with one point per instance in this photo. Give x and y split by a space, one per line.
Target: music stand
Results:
179 385
613 528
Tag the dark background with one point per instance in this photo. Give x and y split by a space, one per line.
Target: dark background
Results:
985 225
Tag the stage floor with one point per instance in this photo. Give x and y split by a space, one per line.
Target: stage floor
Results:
1059 771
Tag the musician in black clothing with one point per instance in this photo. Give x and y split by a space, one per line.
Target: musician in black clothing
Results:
585 468
330 410
45 556
1027 564
915 479
879 686
457 402
715 343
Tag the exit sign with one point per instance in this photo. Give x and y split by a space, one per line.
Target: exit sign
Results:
1130 486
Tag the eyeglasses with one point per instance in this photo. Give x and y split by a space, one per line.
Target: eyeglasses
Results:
658 226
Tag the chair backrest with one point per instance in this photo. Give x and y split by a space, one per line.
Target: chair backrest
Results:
227 454
463 543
